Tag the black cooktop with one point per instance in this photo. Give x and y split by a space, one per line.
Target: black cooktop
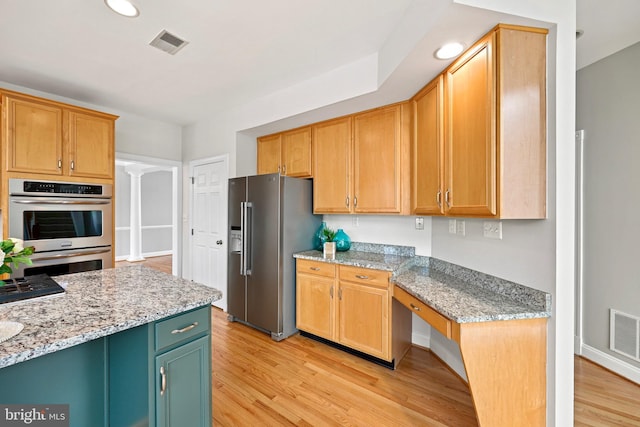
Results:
28 287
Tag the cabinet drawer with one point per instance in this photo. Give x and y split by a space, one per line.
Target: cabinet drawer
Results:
182 327
316 267
365 276
429 315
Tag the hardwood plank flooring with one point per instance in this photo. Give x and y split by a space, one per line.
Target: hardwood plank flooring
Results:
162 263
604 399
298 381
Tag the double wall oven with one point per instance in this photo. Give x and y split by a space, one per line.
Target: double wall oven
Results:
69 224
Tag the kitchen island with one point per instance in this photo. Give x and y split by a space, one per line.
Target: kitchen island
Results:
117 347
500 326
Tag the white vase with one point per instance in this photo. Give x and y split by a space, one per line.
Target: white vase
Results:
329 250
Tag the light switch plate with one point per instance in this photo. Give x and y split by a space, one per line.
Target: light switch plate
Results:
419 223
452 226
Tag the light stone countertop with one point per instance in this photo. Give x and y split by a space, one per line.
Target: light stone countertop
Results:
97 304
461 294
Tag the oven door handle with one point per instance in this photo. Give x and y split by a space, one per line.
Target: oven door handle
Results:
62 202
72 254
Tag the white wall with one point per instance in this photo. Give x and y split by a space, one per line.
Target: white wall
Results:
608 108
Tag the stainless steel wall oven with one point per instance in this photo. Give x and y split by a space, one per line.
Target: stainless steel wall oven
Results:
70 225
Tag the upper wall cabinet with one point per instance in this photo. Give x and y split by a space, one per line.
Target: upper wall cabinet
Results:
288 153
381 149
495 127
361 162
332 187
427 150
48 138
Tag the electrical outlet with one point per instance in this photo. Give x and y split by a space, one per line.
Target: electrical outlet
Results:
492 229
419 223
452 226
460 227
354 221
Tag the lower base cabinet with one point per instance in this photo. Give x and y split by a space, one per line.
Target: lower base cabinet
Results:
160 373
353 307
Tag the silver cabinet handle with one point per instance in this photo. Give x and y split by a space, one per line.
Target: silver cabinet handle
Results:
439 198
355 201
284 169
314 268
446 198
415 307
347 201
59 163
60 202
185 329
362 276
73 165
163 380
331 292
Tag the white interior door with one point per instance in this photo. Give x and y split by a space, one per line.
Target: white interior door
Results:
209 226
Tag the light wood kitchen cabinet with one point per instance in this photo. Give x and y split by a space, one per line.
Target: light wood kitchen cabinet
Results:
315 308
427 152
49 138
269 154
288 153
332 166
495 127
353 307
90 145
361 162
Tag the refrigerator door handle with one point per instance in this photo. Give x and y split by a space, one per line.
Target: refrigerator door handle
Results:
247 244
244 241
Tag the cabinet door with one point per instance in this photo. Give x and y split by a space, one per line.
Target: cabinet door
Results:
269 154
471 133
332 166
363 319
377 151
90 145
315 308
33 133
296 153
427 152
183 378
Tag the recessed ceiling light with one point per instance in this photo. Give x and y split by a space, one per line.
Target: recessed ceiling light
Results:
123 7
449 50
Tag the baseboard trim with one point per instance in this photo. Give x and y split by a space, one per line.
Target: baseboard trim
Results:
611 363
145 255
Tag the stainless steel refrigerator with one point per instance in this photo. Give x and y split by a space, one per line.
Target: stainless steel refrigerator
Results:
270 218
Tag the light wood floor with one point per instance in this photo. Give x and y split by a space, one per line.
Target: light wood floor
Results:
298 381
162 263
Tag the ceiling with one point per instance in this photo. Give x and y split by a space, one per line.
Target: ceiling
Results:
242 50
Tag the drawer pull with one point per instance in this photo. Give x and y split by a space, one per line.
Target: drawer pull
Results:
314 268
163 380
362 276
185 329
415 307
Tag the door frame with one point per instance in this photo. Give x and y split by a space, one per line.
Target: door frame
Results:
176 207
579 262
188 267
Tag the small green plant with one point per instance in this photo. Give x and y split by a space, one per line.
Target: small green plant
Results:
13 252
328 234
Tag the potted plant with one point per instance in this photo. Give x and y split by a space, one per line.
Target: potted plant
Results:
329 246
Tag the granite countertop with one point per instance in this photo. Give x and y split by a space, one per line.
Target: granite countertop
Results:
461 294
96 304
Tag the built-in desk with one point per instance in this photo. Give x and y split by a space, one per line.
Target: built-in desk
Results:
500 327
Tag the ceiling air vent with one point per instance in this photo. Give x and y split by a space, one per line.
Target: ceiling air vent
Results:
169 43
